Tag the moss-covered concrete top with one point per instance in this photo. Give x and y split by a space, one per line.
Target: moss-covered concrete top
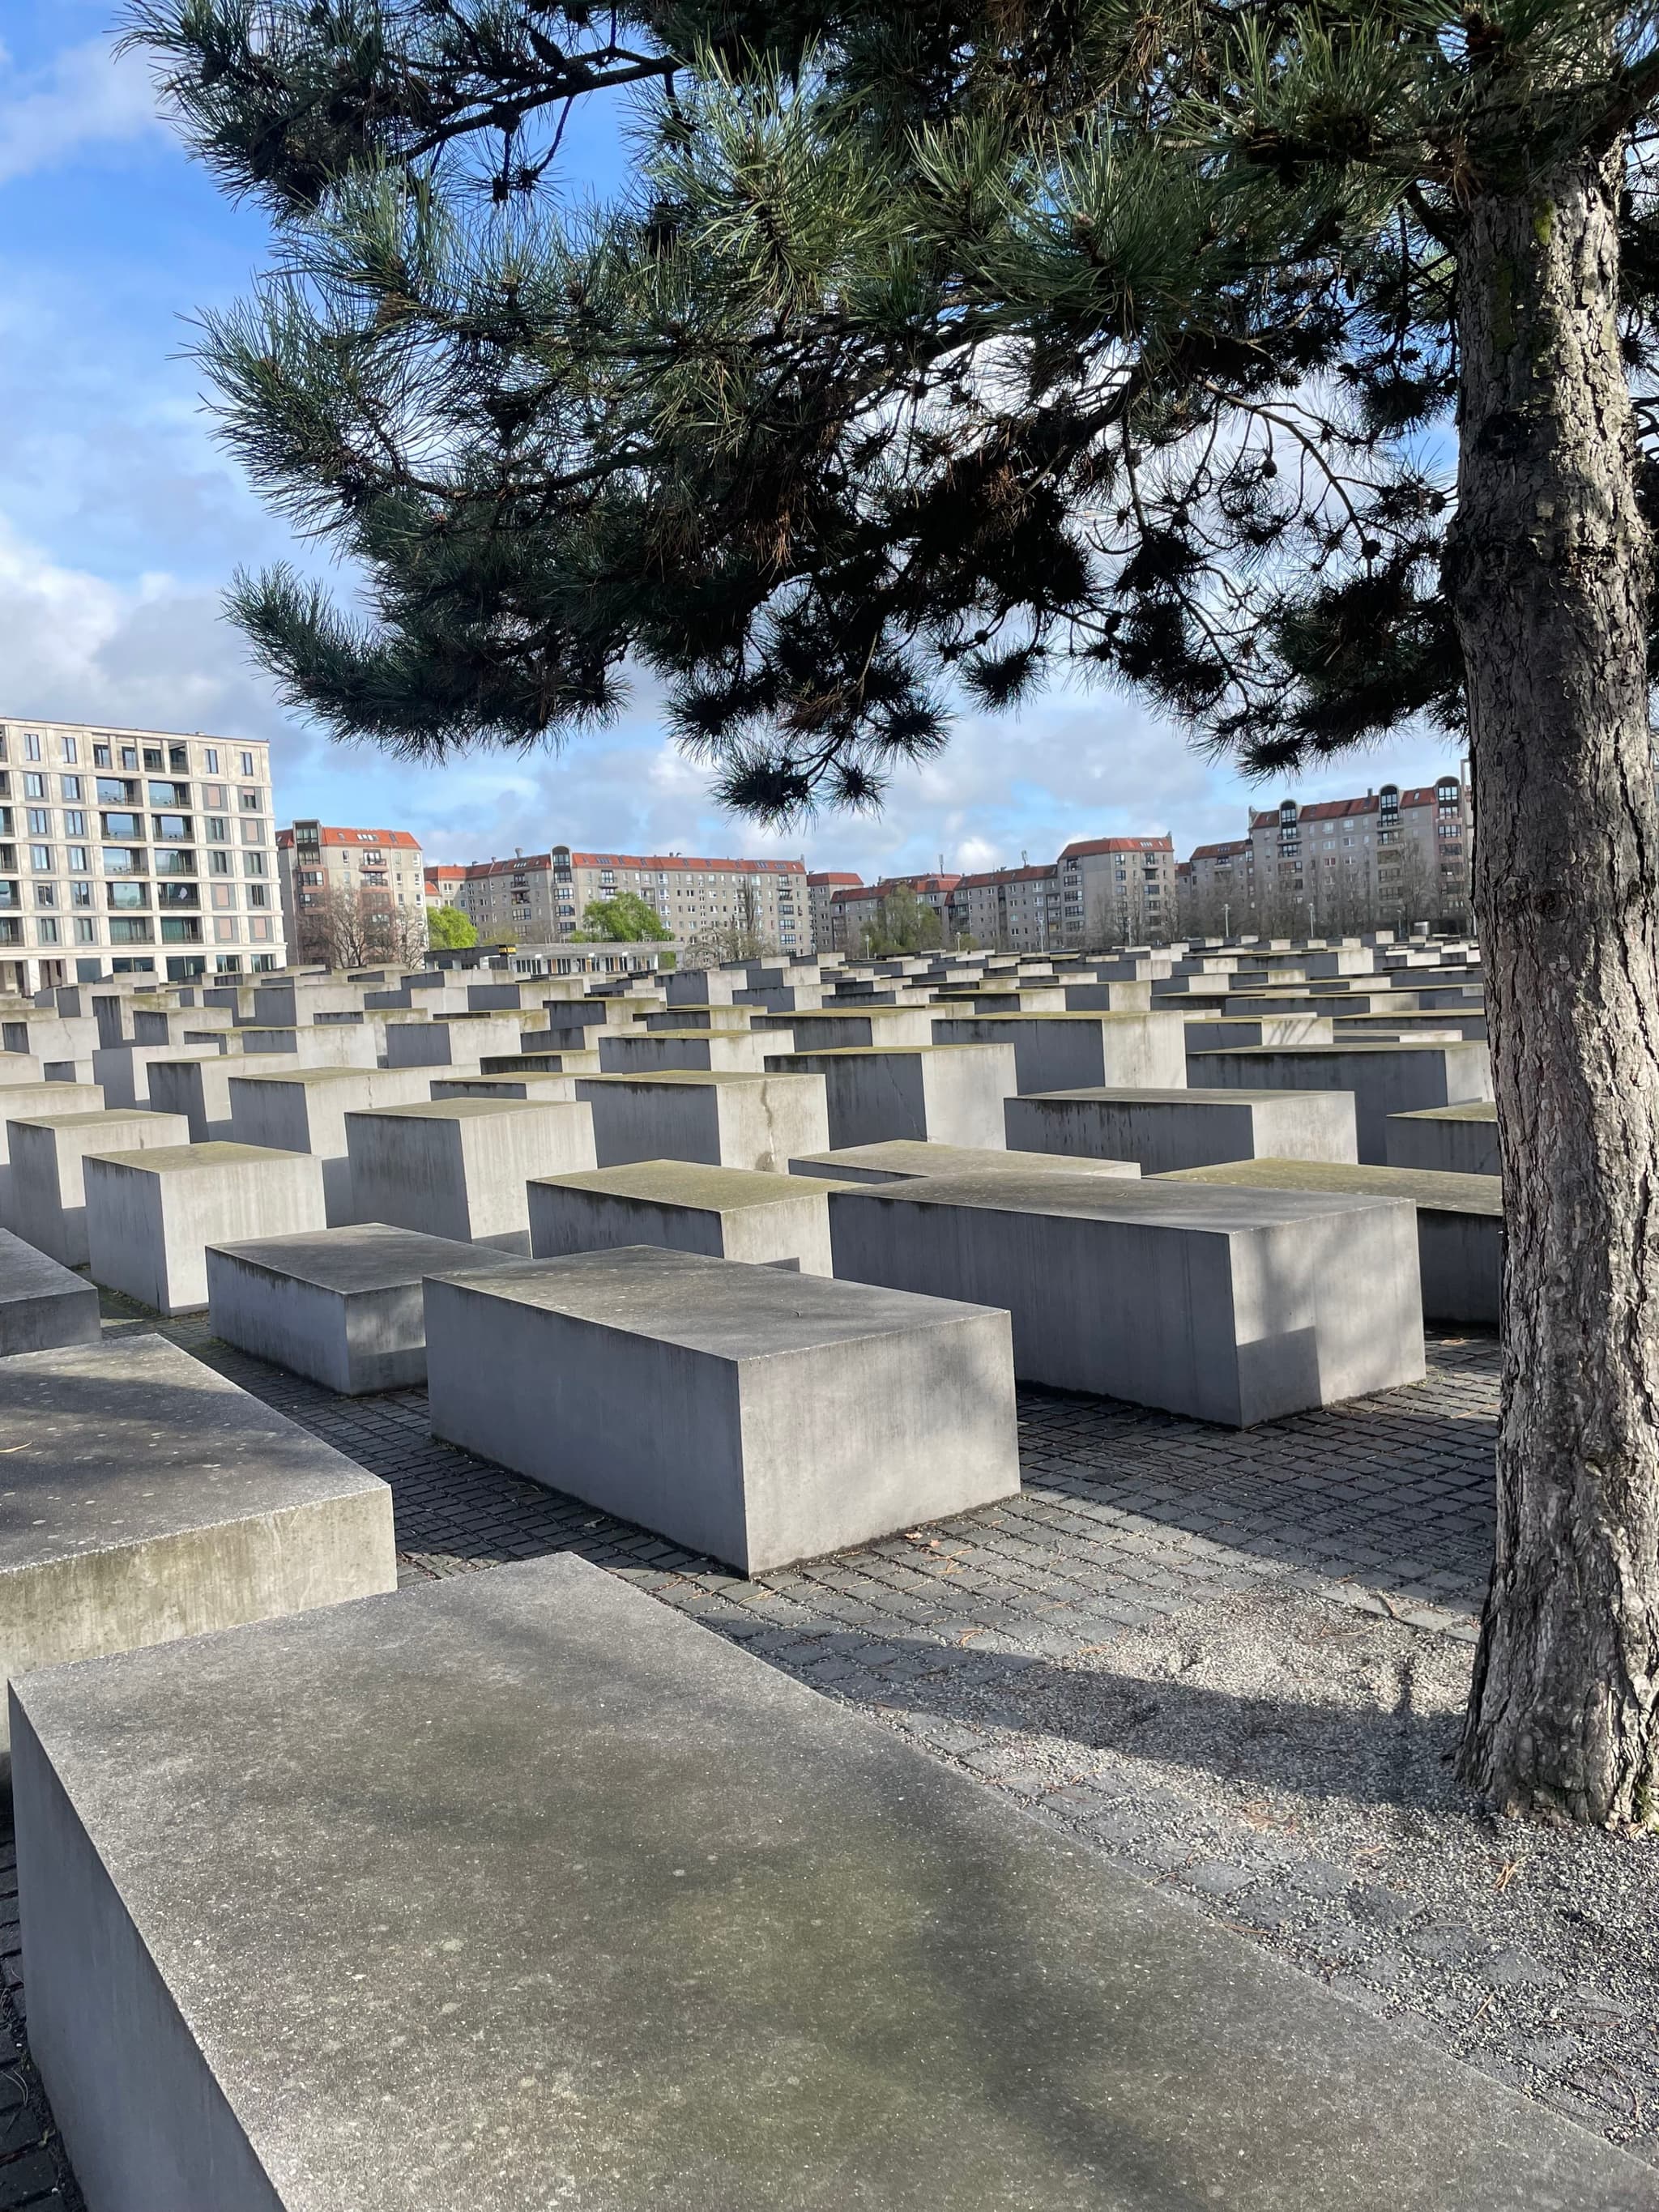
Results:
1441 1193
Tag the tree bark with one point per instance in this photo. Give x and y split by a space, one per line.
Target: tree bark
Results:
1548 572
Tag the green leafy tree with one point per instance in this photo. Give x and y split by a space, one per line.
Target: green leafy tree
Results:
905 924
448 929
627 919
1292 365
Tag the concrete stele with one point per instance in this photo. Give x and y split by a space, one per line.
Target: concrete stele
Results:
43 1305
151 1215
49 1152
682 1205
459 1167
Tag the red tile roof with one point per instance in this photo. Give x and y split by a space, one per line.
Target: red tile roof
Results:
400 838
1092 845
1006 876
660 861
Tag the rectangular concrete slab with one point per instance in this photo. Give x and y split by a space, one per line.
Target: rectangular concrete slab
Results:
303 1109
457 1167
901 1162
343 1306
1229 1305
1446 1139
1385 1079
1459 1224
25 1101
151 1215
200 1089
156 1500
529 1893
48 1194
1166 1129
1062 1052
759 1416
44 1305
945 1094
756 1122
726 1213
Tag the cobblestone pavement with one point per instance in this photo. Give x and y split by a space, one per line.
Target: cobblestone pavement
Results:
1234 1663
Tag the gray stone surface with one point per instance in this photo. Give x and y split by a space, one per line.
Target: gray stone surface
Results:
43 1304
1446 1139
726 1213
942 1094
1165 1129
303 1109
27 1102
757 1122
343 1306
1063 1052
901 1162
1460 1224
1235 1306
155 1500
757 1415
200 1089
1385 1078
151 1215
730 1051
48 1206
457 1167
639 1921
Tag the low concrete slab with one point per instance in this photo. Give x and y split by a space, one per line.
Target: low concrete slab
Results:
303 1109
759 1416
902 1162
453 1040
27 1102
585 1062
532 1084
1236 1032
48 1152
757 1122
1446 1139
343 1306
942 1094
1165 1129
665 1929
200 1089
1060 1052
42 1304
1385 1078
731 1051
457 1167
151 1215
1460 1224
724 1213
1231 1306
156 1500
837 1029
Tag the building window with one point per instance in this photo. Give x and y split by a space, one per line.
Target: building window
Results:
81 893
180 932
86 930
173 828
218 830
211 756
250 800
130 757
218 864
247 764
40 822
46 933
152 757
126 896
31 745
253 864
129 932
45 895
40 860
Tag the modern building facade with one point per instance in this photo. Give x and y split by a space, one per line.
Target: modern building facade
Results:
1117 891
540 898
855 909
444 885
1390 856
315 862
134 851
821 911
1009 910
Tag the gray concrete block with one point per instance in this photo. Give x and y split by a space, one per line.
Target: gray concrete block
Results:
200 1089
303 1109
1065 1052
757 1122
29 1102
459 1167
48 1204
535 1083
42 1304
902 1162
601 1911
942 1094
1219 1032
726 1213
834 1029
324 1044
1385 1078
1229 1305
343 1306
157 1501
758 1416
731 1051
1460 1224
1446 1139
452 1041
1165 1129
151 1215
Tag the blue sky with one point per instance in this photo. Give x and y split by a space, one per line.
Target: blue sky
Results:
120 523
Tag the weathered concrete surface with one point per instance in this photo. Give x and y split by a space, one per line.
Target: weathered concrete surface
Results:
533 1083
42 1304
343 1306
1165 1129
48 1206
200 1089
1229 1305
730 1051
638 1921
836 1029
156 1500
151 1215
900 1162
1064 1052
924 1094
757 1122
26 1101
453 1040
1459 1224
726 1213
303 1109
1446 1139
760 1416
1385 1079
457 1167
1219 1032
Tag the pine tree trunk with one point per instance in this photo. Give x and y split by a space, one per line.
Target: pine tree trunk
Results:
1548 571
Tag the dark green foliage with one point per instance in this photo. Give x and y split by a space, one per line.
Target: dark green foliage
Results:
934 350
625 919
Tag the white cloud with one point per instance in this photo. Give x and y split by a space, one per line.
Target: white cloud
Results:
86 96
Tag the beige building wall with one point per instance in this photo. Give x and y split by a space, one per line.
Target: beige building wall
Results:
316 858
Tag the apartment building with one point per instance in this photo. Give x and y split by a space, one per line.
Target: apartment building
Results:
1117 891
1217 887
855 908
315 862
821 911
1009 910
699 899
1390 856
134 851
443 886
